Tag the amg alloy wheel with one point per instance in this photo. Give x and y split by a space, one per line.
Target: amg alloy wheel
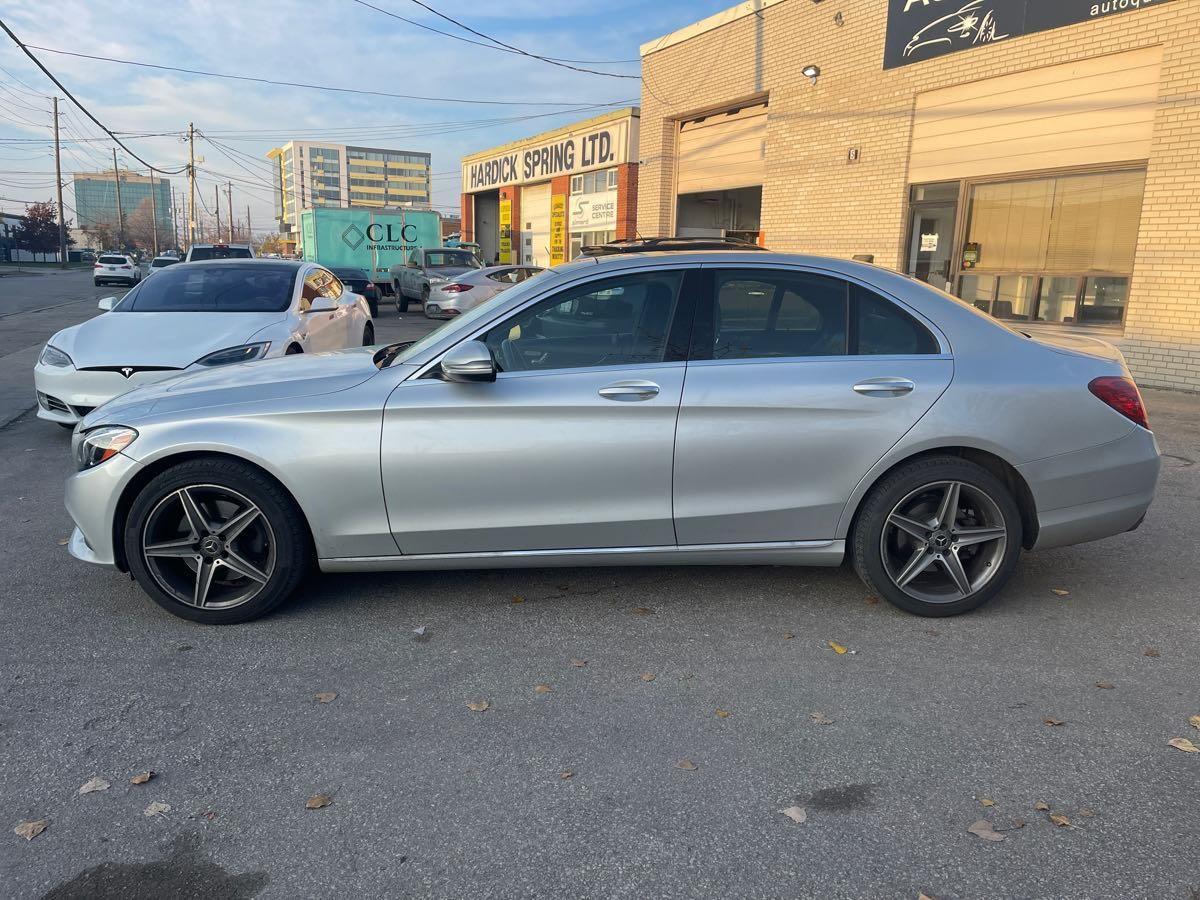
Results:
938 537
216 541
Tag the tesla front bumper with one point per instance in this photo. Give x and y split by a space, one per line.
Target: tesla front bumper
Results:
91 498
66 395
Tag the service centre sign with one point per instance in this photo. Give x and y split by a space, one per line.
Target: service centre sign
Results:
923 29
594 212
566 154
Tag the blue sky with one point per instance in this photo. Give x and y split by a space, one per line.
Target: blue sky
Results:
338 42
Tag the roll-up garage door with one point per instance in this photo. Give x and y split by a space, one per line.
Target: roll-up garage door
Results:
722 150
535 225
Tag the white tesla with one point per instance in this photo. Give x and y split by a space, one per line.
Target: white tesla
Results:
195 316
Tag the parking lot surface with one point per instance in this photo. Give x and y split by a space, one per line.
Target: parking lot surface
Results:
644 728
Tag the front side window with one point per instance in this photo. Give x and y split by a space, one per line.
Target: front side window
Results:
613 322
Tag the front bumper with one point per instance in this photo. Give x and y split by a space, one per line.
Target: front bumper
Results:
67 395
1093 493
91 497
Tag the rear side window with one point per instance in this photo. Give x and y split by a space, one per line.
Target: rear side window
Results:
113 260
199 254
883 329
765 315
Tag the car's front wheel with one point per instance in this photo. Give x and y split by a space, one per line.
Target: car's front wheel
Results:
401 300
937 537
216 541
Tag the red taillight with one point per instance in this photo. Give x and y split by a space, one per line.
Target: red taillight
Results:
455 288
126 266
1122 395
96 266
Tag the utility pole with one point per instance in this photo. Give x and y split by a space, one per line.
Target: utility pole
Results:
229 198
174 219
120 212
62 223
217 211
153 212
249 233
191 229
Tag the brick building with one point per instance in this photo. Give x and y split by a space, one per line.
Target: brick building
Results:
1040 160
537 201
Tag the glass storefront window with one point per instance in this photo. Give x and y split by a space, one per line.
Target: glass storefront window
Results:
1104 300
1014 297
1056 301
978 290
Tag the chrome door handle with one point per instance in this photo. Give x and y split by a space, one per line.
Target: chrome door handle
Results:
630 390
885 387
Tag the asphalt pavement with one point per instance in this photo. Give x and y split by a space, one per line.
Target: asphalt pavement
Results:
610 783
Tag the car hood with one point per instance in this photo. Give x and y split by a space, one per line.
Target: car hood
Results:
175 339
282 378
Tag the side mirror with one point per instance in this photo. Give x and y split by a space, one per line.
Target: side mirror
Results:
470 361
322 304
108 303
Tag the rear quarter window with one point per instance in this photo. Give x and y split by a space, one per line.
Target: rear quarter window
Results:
884 329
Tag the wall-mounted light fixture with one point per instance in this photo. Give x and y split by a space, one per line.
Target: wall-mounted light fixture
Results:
812 73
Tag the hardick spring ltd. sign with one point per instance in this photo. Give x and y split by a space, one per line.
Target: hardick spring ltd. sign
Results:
566 154
923 29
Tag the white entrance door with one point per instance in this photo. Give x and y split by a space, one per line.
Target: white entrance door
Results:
535 225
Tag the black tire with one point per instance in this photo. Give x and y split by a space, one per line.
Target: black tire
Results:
401 300
424 295
293 350
373 306
368 335
292 545
867 547
97 282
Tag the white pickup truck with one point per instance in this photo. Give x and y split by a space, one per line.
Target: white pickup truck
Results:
428 266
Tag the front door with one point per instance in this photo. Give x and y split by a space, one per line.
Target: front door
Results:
798 384
571 446
931 242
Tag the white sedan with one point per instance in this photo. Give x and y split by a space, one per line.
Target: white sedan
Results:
468 290
192 316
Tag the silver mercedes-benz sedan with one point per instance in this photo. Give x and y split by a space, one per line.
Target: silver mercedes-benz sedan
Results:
717 407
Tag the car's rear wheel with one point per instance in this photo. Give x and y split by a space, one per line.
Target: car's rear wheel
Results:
216 541
937 537
369 335
401 300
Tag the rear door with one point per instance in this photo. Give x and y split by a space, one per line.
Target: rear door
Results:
798 382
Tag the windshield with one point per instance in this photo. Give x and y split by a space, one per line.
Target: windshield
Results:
451 259
220 287
199 254
403 353
163 261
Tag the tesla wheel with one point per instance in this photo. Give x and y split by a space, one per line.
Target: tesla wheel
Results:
938 537
216 541
369 335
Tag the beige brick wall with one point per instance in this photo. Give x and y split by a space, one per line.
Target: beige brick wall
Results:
815 200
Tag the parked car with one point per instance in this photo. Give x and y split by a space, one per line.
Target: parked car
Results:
115 268
467 291
196 316
426 268
161 262
86 255
359 282
830 410
202 252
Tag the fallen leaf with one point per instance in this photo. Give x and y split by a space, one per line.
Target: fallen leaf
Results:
517 600
686 764
1052 722
156 809
1184 744
541 688
836 648
420 630
986 801
796 813
787 635
933 632
477 705
62 542
1086 813
1018 823
871 601
647 676
924 897
318 801
819 718
208 814
1105 685
565 774
325 696
1041 805
722 714
142 777
30 830
1195 721
983 829
642 611
579 663
1060 820
1060 592
94 784
1151 651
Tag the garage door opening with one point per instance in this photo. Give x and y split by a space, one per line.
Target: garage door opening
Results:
734 213
487 225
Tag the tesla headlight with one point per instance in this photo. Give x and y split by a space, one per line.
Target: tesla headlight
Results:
99 444
52 356
230 355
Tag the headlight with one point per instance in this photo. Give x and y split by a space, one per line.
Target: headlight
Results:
230 355
52 356
102 443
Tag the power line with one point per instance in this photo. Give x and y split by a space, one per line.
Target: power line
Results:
545 59
71 96
495 46
301 84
